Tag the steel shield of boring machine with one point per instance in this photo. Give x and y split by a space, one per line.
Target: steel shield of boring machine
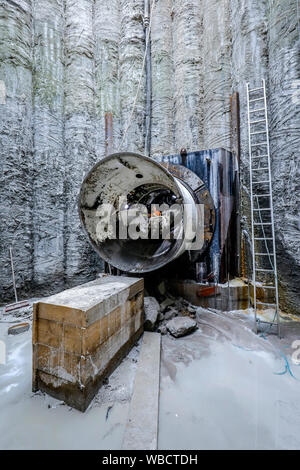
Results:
123 182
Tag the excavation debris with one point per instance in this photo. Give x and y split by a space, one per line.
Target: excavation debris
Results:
162 329
181 326
169 314
166 303
172 308
151 309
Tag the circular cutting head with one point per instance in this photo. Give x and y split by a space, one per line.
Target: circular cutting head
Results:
109 193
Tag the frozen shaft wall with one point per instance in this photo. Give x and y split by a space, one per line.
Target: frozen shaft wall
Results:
69 66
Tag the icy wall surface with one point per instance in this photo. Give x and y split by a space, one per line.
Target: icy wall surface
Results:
284 80
80 131
16 142
187 63
249 57
216 74
69 73
48 139
162 79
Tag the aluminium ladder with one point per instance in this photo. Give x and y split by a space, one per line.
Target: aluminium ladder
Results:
262 216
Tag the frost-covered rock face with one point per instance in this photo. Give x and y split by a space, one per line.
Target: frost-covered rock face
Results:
49 146
16 142
284 104
64 64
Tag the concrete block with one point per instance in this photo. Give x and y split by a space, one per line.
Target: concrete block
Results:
80 335
142 425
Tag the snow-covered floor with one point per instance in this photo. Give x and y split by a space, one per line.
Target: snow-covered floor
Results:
219 390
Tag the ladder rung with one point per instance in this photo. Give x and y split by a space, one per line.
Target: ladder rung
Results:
263 181
260 169
265 270
264 254
265 238
261 195
258 132
263 209
257 121
256 99
256 89
267 322
262 223
256 110
265 303
265 287
259 143
259 156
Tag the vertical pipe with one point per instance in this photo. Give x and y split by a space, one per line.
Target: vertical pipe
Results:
49 168
235 126
16 143
148 79
80 262
235 148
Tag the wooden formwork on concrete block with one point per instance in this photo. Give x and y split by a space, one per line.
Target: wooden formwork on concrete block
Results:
80 335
